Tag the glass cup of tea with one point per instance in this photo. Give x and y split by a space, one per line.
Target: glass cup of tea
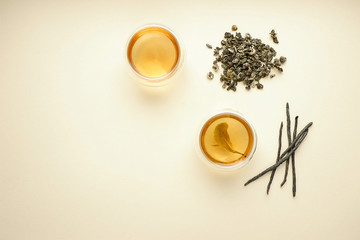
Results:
155 55
226 140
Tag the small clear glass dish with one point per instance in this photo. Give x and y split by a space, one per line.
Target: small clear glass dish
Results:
226 140
155 55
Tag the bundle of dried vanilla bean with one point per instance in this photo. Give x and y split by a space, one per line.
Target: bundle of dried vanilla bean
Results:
288 154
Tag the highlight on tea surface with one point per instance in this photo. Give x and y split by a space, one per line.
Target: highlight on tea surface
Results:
227 139
153 52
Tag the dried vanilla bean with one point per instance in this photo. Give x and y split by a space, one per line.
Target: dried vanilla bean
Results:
293 160
288 128
277 159
286 154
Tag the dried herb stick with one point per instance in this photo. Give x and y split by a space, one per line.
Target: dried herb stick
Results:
286 154
277 159
293 160
288 128
296 139
282 160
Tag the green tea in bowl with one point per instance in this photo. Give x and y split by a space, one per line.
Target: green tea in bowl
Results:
227 141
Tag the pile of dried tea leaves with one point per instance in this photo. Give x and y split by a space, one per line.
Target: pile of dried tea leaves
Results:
244 59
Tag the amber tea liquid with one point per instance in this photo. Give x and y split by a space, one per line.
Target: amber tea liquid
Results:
226 139
153 52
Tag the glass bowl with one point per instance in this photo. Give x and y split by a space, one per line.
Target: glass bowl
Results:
227 122
155 55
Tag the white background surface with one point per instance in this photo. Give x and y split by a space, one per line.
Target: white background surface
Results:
86 153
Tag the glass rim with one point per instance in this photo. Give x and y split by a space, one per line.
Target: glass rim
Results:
174 70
